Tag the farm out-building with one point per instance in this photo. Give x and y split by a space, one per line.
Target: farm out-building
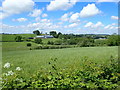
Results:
44 36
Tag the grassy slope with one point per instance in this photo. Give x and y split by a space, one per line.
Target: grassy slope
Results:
13 46
12 37
33 60
19 54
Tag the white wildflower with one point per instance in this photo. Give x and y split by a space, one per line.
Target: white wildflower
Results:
10 73
7 65
18 68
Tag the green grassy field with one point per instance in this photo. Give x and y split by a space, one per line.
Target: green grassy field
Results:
18 54
32 60
16 46
85 67
10 37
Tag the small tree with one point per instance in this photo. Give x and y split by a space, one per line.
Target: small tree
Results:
18 38
113 40
53 33
38 41
50 42
59 34
29 44
36 32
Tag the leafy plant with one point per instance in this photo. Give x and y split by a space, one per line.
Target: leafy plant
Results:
18 38
29 44
38 40
90 76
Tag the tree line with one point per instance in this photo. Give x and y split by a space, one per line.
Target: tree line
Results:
83 40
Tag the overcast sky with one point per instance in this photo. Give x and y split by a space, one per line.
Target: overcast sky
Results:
66 16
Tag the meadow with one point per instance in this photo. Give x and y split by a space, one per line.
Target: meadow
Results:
78 67
33 60
11 37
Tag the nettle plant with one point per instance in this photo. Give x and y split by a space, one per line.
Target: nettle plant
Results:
89 76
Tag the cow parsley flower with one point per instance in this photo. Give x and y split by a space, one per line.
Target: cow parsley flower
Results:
18 68
9 73
7 65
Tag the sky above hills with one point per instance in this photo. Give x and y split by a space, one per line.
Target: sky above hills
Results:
66 16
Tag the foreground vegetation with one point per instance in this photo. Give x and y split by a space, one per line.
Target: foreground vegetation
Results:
60 65
88 75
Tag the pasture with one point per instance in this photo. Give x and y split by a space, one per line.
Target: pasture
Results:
11 37
80 67
33 60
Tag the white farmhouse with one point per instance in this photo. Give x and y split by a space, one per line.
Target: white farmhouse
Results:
44 36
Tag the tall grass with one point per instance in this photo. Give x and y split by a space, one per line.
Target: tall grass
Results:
32 60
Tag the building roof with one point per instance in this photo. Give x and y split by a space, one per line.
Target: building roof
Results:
44 36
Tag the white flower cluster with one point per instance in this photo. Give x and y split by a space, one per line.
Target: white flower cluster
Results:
18 68
7 65
9 73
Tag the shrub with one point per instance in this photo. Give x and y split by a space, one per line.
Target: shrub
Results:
18 38
50 42
113 40
38 41
53 47
72 42
86 42
90 76
58 42
29 44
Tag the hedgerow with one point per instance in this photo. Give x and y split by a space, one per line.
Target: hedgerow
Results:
90 75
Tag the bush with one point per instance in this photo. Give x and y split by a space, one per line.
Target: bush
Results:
72 42
86 42
58 42
113 40
50 42
38 41
91 76
29 44
18 38
53 47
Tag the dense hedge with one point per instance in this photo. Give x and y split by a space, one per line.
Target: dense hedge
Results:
53 47
90 76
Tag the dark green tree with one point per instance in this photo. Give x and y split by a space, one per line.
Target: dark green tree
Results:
50 42
29 44
36 32
38 41
53 33
18 38
113 40
59 34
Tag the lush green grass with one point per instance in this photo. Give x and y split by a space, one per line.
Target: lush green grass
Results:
68 59
33 60
15 46
11 37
